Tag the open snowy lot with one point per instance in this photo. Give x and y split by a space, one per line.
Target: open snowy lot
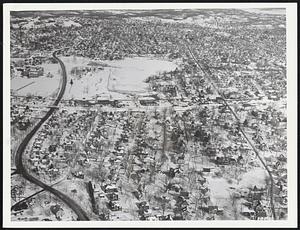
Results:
113 79
41 86
116 78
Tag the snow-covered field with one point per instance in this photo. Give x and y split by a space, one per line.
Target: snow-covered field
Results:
126 76
119 76
255 176
131 72
221 191
220 188
41 86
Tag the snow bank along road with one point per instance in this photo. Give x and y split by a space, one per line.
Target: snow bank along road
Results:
20 169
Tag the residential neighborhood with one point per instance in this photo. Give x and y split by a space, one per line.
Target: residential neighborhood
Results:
148 115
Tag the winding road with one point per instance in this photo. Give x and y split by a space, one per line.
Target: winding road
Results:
20 168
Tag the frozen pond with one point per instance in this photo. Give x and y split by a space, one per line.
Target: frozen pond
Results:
116 78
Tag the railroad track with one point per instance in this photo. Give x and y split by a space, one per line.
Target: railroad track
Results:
208 73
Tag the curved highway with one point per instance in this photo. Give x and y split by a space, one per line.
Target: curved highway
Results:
20 169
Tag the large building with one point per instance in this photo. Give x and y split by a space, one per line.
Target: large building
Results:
33 71
147 101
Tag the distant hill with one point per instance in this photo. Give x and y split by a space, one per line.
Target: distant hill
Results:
160 13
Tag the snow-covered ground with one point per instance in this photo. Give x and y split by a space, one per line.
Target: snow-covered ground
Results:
41 86
267 11
126 76
70 23
220 188
131 72
255 176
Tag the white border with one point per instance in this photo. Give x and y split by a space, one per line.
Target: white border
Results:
291 13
